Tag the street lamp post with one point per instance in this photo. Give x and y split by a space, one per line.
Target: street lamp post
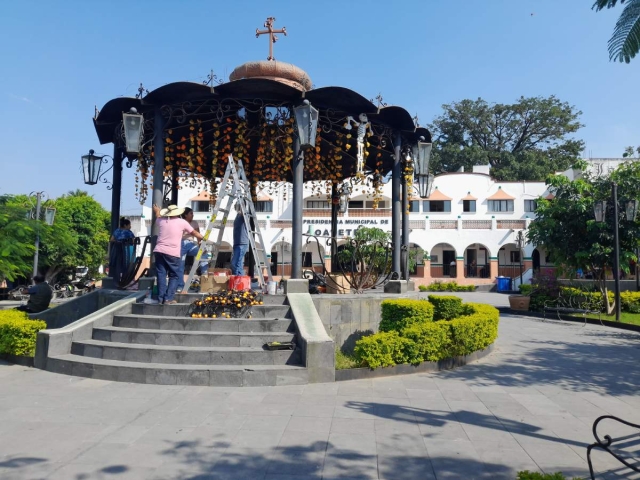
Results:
631 210
520 244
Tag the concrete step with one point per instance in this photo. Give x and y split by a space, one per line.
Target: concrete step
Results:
189 339
204 324
181 309
164 374
169 354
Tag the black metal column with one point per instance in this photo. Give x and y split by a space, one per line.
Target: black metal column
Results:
616 252
296 216
174 185
396 205
405 229
158 178
335 206
116 192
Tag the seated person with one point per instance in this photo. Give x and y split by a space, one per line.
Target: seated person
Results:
203 265
40 296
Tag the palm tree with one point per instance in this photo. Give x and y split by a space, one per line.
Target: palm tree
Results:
624 44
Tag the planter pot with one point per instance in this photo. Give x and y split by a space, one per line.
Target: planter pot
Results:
519 302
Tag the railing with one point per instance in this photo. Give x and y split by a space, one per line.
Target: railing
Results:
476 224
477 271
443 224
318 212
353 212
511 271
417 224
511 224
281 224
442 271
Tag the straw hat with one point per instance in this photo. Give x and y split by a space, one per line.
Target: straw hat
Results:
171 211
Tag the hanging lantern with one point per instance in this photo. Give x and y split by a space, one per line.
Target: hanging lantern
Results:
49 215
307 122
421 167
599 209
632 210
91 165
133 130
345 193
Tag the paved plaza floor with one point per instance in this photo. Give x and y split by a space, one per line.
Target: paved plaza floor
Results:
529 405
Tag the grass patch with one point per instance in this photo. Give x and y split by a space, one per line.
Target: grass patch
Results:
345 361
625 317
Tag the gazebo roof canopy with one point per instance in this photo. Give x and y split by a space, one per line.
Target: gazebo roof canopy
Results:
251 117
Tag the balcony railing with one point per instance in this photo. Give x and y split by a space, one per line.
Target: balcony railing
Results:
476 224
511 224
353 212
443 224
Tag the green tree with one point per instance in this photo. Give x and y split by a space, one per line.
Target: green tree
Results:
16 240
89 223
527 140
566 227
624 44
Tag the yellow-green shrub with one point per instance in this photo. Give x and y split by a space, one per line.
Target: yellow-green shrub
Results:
18 333
432 341
383 349
445 307
399 314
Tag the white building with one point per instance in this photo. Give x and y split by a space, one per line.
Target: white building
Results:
470 221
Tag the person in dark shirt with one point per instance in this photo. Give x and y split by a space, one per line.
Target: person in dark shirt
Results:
240 242
40 296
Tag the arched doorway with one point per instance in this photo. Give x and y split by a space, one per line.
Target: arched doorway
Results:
313 256
416 259
281 258
535 259
476 261
509 261
443 261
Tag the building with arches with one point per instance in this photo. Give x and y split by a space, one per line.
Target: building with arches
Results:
465 231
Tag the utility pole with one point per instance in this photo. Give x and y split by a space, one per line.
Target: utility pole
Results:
35 256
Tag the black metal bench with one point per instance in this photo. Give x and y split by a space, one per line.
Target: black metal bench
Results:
569 303
606 444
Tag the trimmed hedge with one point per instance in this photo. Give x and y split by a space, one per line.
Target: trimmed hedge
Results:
399 314
475 330
446 307
18 333
446 287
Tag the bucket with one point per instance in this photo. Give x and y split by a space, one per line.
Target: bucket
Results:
272 288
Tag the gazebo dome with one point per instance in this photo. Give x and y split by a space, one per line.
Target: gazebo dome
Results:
283 72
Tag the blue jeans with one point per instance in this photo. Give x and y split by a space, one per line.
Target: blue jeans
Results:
166 265
188 248
237 259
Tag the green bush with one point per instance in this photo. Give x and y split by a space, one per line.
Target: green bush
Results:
18 333
432 341
445 307
527 475
399 314
345 361
383 349
526 289
446 287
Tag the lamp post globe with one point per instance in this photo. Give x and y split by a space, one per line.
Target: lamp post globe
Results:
307 122
133 123
91 165
599 210
421 168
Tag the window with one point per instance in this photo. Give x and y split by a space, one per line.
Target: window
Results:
264 206
414 206
369 204
469 206
434 258
317 204
530 205
437 206
201 206
501 205
356 204
515 257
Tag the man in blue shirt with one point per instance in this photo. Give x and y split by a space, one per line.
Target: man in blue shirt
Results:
240 242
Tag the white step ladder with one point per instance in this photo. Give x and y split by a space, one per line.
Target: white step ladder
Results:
234 188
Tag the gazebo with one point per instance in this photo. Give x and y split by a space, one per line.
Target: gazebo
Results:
270 116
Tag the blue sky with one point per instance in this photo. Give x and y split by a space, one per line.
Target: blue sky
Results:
59 59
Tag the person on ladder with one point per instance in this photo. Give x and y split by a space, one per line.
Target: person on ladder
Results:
240 242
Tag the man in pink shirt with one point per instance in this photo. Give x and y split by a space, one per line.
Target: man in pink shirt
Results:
168 248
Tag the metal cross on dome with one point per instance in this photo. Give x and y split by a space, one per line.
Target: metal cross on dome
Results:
272 34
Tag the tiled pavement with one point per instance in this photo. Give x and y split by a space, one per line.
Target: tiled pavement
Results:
529 405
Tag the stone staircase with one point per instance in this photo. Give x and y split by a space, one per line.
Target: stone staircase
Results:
161 345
